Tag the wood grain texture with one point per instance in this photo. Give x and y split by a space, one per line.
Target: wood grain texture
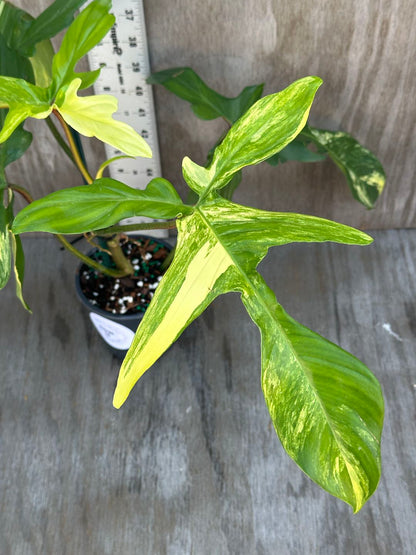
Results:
191 463
364 51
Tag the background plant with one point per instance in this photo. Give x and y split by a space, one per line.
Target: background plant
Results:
363 171
326 406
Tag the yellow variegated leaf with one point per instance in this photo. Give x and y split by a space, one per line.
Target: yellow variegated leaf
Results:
196 276
92 116
326 405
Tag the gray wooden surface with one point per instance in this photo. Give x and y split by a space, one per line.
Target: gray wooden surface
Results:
191 463
364 51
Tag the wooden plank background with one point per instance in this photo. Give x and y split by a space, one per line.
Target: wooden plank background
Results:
191 463
364 51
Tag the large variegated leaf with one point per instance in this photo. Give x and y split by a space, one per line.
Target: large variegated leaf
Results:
92 116
364 172
206 103
326 406
99 205
333 429
219 238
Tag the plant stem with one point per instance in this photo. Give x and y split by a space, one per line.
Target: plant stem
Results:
59 139
166 263
75 153
22 191
118 257
135 227
89 261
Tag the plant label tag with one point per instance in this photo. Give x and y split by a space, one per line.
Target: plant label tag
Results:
116 335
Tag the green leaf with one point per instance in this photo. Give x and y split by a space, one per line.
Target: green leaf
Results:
326 406
24 100
298 151
364 172
99 205
42 63
206 103
5 246
15 146
267 127
52 20
13 64
19 268
88 28
92 116
14 24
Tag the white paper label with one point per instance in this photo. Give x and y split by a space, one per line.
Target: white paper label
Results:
116 335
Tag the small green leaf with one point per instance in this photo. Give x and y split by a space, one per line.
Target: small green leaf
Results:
56 17
99 205
206 103
92 116
24 100
15 146
364 172
296 150
13 64
19 268
228 191
14 24
87 29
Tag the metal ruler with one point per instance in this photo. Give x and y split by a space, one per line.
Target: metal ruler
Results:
124 58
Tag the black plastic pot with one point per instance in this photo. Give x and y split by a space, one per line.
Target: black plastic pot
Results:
117 330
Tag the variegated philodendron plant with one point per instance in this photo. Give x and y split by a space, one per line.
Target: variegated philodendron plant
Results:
326 406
